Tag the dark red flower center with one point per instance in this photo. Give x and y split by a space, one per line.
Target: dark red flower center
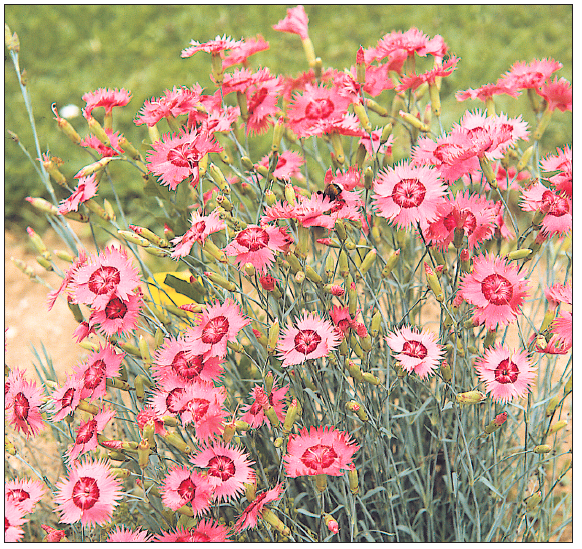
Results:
555 205
506 372
221 467
414 349
115 309
318 457
187 490
281 162
256 99
184 155
319 108
464 219
67 399
86 432
17 494
173 398
215 330
187 368
199 227
408 193
104 280
199 537
253 238
21 406
306 341
85 493
198 407
497 289
94 374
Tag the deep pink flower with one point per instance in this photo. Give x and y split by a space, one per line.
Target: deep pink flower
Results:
258 245
507 374
66 398
22 403
13 521
104 276
205 531
558 208
228 469
343 320
176 157
212 46
68 279
90 494
119 316
416 351
411 42
288 165
311 337
509 178
240 80
86 438
295 22
202 404
149 414
299 83
254 510
216 325
558 293
262 106
530 75
486 92
168 401
52 534
172 104
244 50
105 98
105 151
86 188
497 290
413 81
407 194
373 143
319 451
125 535
25 493
182 486
254 414
202 226
562 163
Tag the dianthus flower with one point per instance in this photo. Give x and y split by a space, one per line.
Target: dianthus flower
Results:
216 325
25 493
262 98
177 362
65 399
254 414
86 438
121 534
562 163
301 81
242 79
319 451
411 42
202 405
258 245
507 374
416 351
487 92
561 327
119 316
105 151
168 401
148 414
311 337
86 188
344 321
182 486
558 208
68 279
228 469
201 227
176 157
52 534
109 274
254 510
244 50
205 531
471 214
407 194
90 494
524 75
100 365
295 22
497 290
413 81
288 165
373 144
172 104
212 46
105 98
13 521
22 403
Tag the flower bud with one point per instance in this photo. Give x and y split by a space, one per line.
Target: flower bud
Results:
488 172
133 238
552 405
343 264
290 417
331 524
353 480
310 274
228 433
446 371
494 424
43 205
413 121
275 522
86 407
340 230
370 378
170 421
435 99
76 310
367 262
293 262
321 482
471 397
542 125
272 416
542 449
391 263
176 440
354 370
533 501
557 426
522 253
357 408
221 281
94 167
433 282
219 178
489 339
273 337
117 383
362 115
375 107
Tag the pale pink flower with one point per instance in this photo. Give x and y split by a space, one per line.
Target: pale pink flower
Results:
106 275
558 94
407 194
205 531
65 399
411 42
244 50
295 22
254 510
562 328
486 92
378 78
201 227
13 521
90 493
562 163
22 403
172 104
217 45
215 326
202 404
311 337
416 351
319 451
86 188
67 280
507 374
176 157
228 469
524 75
86 438
258 246
119 316
106 98
121 534
182 486
254 414
168 401
555 346
558 208
25 493
558 293
497 290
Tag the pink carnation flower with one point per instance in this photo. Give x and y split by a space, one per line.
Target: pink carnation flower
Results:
182 486
562 329
86 189
168 401
212 46
254 414
258 245
558 94
86 438
176 157
201 227
408 194
228 469
93 373
530 75
295 22
310 338
106 275
67 280
319 451
90 494
25 493
172 104
205 531
558 208
105 151
22 401
119 316
562 163
202 404
105 98
13 521
487 92
216 325
254 510
507 374
65 399
149 414
125 535
288 165
497 290
416 351
411 42
262 106
244 50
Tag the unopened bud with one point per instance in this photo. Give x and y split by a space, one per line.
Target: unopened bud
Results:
471 397
94 167
413 121
290 417
519 254
533 501
391 263
552 405
557 426
273 337
353 481
331 524
176 440
370 378
494 424
542 449
433 282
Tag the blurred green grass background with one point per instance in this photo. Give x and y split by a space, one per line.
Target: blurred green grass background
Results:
68 50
